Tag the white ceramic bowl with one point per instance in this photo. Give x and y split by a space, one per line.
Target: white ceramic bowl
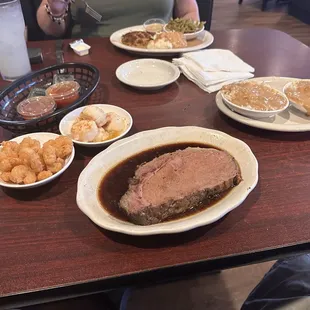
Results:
189 36
42 137
294 104
256 114
101 164
67 122
147 74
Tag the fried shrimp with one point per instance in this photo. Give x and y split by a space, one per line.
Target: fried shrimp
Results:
49 154
5 176
63 146
28 162
7 164
11 146
32 159
44 175
31 143
57 166
22 174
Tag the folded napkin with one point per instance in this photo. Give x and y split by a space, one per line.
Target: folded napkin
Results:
212 69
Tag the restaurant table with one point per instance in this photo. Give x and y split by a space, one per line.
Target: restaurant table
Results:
50 250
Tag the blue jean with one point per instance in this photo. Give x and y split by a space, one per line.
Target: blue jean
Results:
286 284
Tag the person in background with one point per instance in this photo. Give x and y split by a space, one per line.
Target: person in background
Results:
56 16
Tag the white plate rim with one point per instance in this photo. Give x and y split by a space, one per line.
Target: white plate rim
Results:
45 181
172 80
138 230
256 123
208 40
97 144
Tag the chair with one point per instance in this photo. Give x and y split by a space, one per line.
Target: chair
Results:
205 11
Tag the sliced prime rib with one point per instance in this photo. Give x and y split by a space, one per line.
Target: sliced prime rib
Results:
176 182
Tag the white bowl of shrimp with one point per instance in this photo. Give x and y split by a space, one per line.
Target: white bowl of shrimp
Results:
31 160
96 125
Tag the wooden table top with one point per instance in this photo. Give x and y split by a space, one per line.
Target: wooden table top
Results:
46 242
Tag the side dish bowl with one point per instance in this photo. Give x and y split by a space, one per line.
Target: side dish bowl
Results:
67 122
42 137
256 114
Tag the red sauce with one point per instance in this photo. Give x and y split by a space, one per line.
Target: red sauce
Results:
64 93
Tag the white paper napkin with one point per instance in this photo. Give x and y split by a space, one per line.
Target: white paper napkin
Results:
218 60
212 69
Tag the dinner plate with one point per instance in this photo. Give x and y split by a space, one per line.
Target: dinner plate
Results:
290 120
42 137
116 39
147 74
67 122
90 178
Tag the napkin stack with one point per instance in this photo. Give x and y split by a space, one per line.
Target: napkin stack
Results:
212 69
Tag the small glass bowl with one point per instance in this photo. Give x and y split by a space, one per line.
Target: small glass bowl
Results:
154 25
64 93
36 107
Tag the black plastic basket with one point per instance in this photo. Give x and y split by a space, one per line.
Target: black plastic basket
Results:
86 75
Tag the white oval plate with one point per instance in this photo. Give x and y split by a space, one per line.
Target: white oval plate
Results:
42 137
148 74
100 165
116 39
290 120
67 122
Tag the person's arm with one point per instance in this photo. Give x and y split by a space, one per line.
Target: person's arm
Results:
186 9
45 22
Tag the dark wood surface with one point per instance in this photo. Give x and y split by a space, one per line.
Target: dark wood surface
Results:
47 243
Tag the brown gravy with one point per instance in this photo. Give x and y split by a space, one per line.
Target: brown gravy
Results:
115 183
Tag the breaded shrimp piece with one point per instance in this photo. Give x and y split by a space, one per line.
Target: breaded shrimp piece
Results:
7 164
32 159
115 123
22 174
84 131
101 136
44 175
5 177
31 143
57 166
10 146
63 146
92 113
49 154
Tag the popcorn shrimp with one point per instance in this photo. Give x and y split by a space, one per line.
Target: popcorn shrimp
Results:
31 143
5 176
32 159
63 146
57 166
44 175
22 174
49 154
